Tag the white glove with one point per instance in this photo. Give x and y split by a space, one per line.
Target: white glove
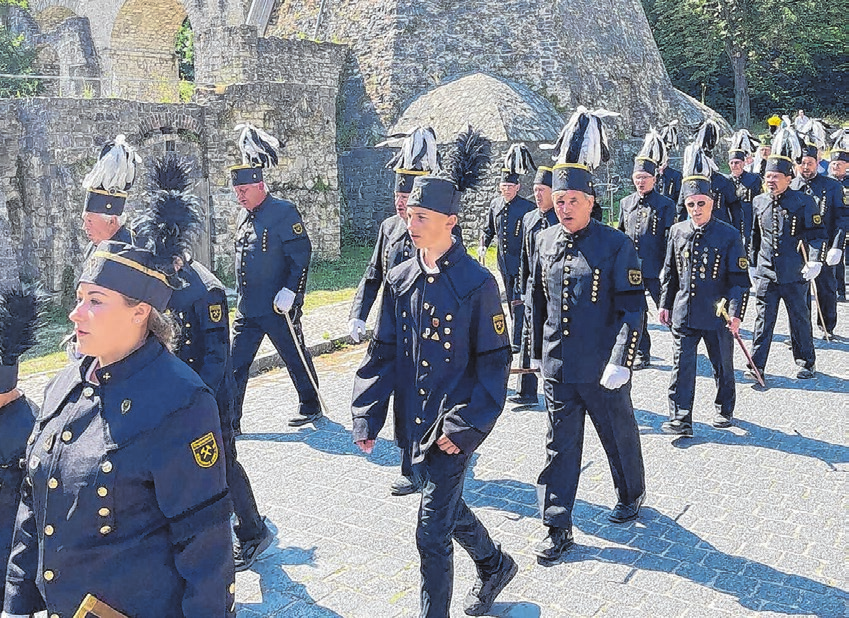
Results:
811 270
481 251
833 257
357 329
614 376
284 300
536 364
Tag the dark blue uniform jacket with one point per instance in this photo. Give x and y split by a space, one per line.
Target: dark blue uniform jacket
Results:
778 229
703 266
272 252
125 495
669 183
646 220
828 195
588 302
747 185
441 346
504 222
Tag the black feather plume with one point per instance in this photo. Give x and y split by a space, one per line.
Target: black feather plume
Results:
469 159
21 314
707 136
172 220
171 173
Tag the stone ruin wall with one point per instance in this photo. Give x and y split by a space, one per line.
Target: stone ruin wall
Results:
49 144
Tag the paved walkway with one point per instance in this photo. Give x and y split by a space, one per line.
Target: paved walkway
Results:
749 521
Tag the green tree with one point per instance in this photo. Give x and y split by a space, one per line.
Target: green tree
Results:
185 46
16 58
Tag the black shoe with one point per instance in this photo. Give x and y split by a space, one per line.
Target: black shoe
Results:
404 486
245 554
804 374
788 343
841 299
557 541
749 373
621 513
721 421
523 400
483 593
303 418
678 428
641 362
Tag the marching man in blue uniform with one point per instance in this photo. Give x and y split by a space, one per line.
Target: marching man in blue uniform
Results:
838 166
788 242
124 502
646 216
705 263
418 157
828 195
19 317
441 347
746 184
540 218
588 310
273 254
167 227
504 225
726 204
106 196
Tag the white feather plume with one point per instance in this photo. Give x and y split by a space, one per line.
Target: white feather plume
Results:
697 163
258 147
115 170
654 148
745 141
786 143
418 150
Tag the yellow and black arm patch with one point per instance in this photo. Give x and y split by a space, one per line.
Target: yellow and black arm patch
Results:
635 276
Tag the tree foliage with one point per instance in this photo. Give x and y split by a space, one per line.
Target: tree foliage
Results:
185 47
792 54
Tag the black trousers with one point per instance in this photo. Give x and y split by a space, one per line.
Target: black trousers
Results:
247 337
840 275
795 297
10 495
526 383
248 520
682 388
826 283
517 312
612 415
443 518
653 288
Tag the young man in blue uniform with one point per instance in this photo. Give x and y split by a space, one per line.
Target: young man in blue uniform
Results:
784 218
705 262
504 224
588 310
441 347
19 314
827 193
541 218
746 184
273 254
168 226
646 216
394 246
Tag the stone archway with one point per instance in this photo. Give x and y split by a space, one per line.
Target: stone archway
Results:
143 62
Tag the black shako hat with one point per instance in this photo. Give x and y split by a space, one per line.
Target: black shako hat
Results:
517 162
786 151
743 144
696 171
20 315
108 182
418 156
130 271
581 147
652 155
465 166
259 150
543 176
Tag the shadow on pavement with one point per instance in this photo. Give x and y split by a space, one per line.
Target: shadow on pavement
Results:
334 439
756 436
281 596
656 542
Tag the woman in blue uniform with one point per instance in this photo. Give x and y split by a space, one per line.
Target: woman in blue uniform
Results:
124 497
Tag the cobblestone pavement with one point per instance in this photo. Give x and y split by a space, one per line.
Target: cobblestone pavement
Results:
747 521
